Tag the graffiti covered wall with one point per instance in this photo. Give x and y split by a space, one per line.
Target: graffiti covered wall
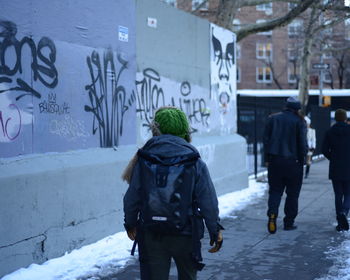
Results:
154 91
66 85
179 65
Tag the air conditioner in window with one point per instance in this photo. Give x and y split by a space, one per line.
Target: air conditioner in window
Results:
268 12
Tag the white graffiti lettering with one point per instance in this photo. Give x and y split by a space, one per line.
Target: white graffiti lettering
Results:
68 128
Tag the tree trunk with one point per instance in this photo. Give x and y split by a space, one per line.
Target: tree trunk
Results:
304 83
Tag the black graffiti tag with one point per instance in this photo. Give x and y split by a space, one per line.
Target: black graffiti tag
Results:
194 108
151 96
51 107
108 99
43 57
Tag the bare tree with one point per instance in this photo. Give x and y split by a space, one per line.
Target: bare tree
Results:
315 26
310 10
227 10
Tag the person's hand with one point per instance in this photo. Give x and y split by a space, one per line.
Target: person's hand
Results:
131 233
218 243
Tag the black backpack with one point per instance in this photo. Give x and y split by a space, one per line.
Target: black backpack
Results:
167 193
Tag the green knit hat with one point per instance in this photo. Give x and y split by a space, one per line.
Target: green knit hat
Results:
173 121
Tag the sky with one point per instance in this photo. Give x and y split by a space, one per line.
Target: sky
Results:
113 252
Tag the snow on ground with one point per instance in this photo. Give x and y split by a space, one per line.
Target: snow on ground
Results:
236 201
98 258
341 261
113 252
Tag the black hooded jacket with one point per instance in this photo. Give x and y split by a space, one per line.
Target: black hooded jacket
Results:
336 148
173 149
285 136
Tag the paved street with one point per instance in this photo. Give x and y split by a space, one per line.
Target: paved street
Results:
250 253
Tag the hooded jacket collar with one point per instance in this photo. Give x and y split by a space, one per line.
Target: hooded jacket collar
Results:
168 149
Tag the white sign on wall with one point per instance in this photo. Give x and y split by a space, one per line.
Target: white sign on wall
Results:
152 22
123 33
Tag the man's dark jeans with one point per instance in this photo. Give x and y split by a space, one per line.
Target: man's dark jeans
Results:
159 250
284 174
342 196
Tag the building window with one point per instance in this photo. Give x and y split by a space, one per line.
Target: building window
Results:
347 29
238 51
314 80
292 53
329 30
291 6
292 75
263 75
238 74
327 55
267 8
294 29
170 2
197 3
327 77
264 51
269 32
236 24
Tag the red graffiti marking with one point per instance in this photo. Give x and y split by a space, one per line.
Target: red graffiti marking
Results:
8 123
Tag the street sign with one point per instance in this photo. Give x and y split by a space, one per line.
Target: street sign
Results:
320 66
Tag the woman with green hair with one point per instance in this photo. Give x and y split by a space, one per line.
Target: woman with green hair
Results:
168 185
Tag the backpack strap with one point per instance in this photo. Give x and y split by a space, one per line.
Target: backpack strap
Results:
196 242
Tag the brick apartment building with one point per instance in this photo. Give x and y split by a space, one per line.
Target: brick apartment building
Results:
270 60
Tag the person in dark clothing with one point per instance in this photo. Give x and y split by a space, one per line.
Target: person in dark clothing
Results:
170 144
285 149
336 148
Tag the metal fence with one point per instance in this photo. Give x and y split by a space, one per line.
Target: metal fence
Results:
253 112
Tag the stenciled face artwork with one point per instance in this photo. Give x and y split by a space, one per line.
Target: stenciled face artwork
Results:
222 70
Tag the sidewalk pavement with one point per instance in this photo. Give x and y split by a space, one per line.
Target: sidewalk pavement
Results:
250 253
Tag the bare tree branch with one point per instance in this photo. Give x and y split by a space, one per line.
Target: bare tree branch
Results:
279 22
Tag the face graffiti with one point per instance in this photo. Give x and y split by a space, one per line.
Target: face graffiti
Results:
222 66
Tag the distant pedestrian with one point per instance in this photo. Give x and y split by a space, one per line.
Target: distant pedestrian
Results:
311 145
285 149
170 194
336 148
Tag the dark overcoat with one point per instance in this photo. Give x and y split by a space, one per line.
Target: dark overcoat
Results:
336 148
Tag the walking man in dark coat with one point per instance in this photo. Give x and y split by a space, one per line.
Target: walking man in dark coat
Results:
336 148
285 149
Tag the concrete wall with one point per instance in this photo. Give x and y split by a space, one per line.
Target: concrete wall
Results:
58 189
54 203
